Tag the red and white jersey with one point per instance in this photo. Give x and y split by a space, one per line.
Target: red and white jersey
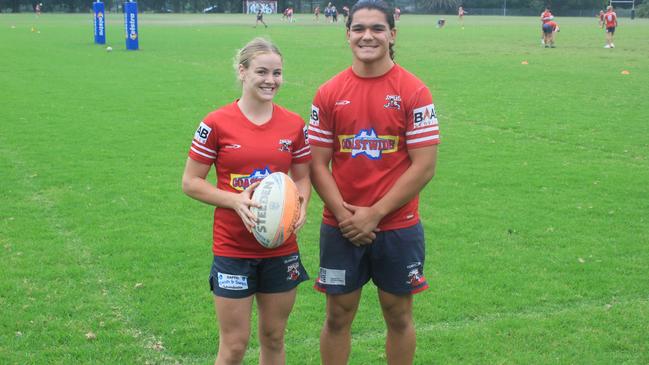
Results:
611 19
370 124
244 153
546 16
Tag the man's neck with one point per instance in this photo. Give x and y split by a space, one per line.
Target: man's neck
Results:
374 69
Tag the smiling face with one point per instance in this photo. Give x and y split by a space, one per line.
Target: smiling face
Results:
370 36
263 77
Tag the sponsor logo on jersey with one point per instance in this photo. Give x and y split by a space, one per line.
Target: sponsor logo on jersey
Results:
285 145
314 120
241 182
342 102
202 133
424 116
392 102
305 130
367 143
233 146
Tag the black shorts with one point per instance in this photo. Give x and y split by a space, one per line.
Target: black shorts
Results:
235 278
610 30
547 28
394 261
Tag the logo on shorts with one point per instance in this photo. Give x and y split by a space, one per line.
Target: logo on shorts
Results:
293 271
415 277
331 276
392 102
232 282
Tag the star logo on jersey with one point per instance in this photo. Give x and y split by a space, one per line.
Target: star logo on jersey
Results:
242 181
368 143
285 145
392 102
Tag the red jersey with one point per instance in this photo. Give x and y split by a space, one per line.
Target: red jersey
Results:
244 153
546 16
370 123
611 19
553 24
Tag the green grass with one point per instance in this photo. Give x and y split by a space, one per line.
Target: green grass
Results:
536 222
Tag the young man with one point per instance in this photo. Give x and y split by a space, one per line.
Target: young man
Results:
375 122
610 18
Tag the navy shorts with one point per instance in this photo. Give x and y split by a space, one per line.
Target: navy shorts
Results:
235 278
547 28
394 261
610 30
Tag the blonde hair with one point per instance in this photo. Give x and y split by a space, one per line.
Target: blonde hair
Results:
253 49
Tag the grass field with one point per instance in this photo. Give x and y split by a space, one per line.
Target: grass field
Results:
537 221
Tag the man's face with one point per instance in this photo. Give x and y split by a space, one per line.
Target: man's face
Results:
370 36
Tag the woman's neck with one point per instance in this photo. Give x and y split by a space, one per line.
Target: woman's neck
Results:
258 112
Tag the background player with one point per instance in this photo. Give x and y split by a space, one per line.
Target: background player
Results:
260 18
375 122
245 141
610 19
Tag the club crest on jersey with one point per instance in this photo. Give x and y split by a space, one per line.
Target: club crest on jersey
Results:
367 143
285 145
424 116
241 182
392 102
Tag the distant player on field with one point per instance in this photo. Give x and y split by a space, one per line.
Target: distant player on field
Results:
260 18
375 123
246 141
549 29
546 16
610 18
316 14
460 15
601 19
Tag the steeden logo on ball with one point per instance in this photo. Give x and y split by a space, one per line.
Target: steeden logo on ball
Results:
280 208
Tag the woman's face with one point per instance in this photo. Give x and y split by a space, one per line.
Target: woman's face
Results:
263 77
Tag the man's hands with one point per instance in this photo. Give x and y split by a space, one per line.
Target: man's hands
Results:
359 226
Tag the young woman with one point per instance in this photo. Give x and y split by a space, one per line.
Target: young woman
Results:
374 136
246 141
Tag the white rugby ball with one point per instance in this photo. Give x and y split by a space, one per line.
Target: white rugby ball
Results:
280 209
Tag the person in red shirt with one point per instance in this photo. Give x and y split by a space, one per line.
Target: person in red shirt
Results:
601 18
460 15
246 141
375 125
546 16
549 30
610 18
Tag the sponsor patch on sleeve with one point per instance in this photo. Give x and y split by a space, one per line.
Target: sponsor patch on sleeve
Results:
424 116
202 133
315 116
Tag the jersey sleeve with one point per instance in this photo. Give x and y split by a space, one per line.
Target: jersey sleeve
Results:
203 148
320 129
302 151
422 128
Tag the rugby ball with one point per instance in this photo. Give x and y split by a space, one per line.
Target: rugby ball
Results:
280 208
